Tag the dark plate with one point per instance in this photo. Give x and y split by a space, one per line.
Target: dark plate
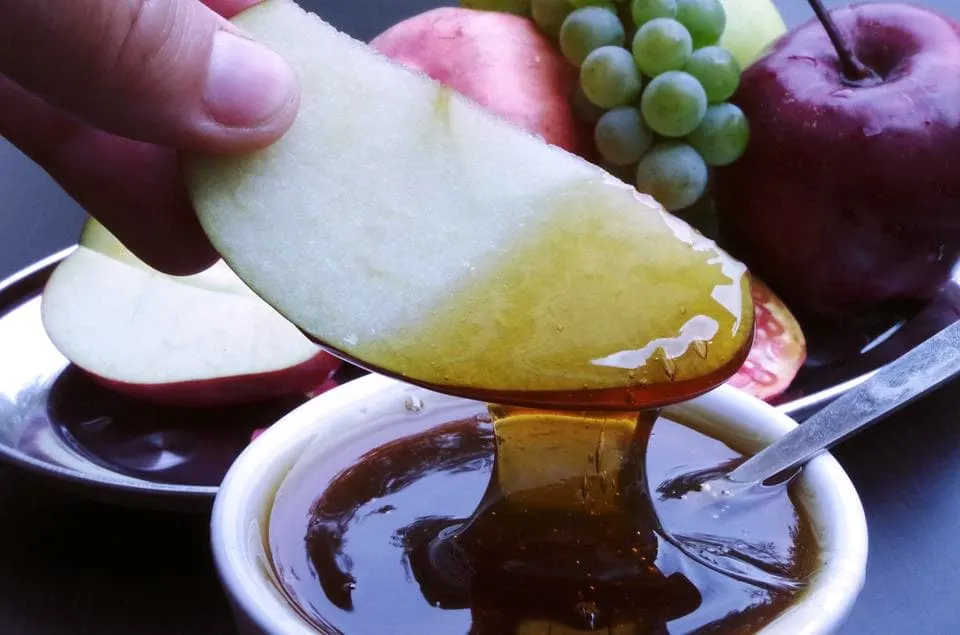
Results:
57 423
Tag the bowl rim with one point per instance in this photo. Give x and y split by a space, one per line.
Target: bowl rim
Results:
257 601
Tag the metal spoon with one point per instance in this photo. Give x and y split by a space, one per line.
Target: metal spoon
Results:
895 385
902 381
892 387
838 378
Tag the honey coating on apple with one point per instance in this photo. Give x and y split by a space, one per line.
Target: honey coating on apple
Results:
535 317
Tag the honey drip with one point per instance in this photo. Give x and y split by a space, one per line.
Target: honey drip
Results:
565 536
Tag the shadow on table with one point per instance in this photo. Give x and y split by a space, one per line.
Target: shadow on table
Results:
907 471
71 566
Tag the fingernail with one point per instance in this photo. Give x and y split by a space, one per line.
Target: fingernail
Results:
247 83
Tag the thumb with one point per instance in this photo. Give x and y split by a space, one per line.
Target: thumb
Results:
168 72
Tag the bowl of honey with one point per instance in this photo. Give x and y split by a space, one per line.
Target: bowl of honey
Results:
381 507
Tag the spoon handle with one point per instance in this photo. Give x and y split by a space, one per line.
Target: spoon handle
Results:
903 380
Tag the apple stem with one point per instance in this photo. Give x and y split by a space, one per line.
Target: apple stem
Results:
852 68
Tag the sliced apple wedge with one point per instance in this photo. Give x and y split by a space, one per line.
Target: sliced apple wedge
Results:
410 229
199 340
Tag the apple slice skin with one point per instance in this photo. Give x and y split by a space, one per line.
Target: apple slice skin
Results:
102 280
846 198
307 378
409 277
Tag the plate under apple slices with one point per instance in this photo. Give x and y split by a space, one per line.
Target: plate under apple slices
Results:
204 339
409 229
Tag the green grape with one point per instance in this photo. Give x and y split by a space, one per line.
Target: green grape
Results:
609 77
662 45
722 136
705 19
588 29
717 71
622 136
673 104
673 173
583 109
550 14
645 10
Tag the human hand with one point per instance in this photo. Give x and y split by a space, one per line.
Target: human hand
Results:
102 94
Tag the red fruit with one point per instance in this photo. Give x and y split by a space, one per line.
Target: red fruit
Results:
500 61
846 198
779 347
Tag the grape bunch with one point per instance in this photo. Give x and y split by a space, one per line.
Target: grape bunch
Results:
654 83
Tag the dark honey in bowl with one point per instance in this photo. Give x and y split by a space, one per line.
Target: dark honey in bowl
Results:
428 523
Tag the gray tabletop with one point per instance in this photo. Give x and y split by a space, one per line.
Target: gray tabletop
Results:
76 567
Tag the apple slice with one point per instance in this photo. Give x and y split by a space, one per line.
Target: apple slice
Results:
408 228
204 339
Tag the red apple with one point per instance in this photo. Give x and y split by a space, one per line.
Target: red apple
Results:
499 60
198 340
846 198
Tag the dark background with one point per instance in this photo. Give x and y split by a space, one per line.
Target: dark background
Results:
72 567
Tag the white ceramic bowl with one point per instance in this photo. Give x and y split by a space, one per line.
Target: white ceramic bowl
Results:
243 505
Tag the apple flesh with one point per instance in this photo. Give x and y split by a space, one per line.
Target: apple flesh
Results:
459 251
845 200
499 60
199 340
